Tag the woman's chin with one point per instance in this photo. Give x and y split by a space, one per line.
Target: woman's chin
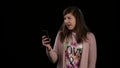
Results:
70 29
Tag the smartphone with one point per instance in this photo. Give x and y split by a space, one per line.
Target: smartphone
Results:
45 33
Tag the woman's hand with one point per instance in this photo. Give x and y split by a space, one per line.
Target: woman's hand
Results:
46 42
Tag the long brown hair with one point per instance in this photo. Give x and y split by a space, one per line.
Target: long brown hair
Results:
80 29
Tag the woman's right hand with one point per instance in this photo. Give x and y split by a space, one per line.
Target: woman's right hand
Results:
46 42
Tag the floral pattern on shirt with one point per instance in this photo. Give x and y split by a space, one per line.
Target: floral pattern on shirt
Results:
73 52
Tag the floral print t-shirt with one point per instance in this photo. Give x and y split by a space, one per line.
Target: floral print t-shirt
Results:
73 52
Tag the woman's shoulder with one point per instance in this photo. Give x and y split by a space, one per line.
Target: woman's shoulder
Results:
58 33
90 35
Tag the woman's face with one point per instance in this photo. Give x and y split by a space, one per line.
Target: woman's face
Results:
70 21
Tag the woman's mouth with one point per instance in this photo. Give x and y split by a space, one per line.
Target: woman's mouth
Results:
68 26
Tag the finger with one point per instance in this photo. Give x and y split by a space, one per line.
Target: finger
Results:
46 42
43 36
45 39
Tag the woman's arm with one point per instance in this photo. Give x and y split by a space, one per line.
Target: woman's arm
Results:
53 53
92 51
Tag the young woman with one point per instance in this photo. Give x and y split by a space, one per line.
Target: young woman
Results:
75 45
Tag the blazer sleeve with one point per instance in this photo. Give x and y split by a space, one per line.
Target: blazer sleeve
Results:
92 51
53 54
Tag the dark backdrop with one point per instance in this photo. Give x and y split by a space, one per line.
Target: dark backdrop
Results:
24 21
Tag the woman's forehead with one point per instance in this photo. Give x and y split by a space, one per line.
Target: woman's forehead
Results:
68 15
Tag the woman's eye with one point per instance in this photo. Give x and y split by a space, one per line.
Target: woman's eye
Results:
69 17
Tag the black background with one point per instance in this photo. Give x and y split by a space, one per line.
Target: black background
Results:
23 22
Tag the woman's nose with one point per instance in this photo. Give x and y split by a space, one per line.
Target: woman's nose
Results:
66 21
